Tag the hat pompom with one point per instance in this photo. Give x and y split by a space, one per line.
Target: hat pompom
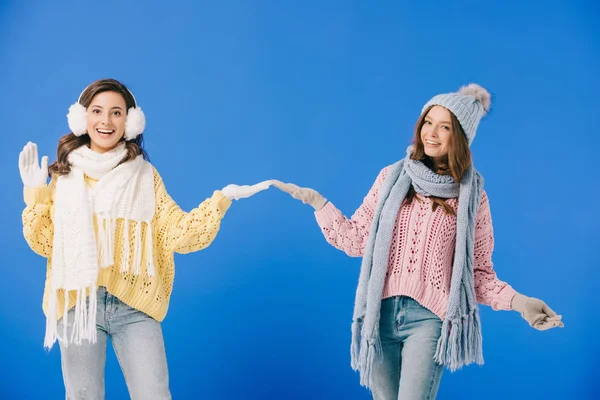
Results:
480 94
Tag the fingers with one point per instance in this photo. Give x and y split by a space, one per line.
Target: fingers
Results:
34 155
237 192
45 164
541 321
27 152
537 320
548 311
22 162
30 149
29 155
280 185
252 190
286 187
548 324
261 186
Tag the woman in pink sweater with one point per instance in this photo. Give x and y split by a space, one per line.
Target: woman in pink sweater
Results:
425 233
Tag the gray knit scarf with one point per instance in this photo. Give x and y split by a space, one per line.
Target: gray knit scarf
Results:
460 341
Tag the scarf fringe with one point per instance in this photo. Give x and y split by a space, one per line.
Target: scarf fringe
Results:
354 346
84 322
51 316
106 249
137 249
364 355
126 249
460 343
105 241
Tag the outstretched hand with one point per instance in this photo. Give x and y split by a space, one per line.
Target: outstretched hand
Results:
305 195
536 313
236 192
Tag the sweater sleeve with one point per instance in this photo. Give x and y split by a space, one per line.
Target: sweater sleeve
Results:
350 235
185 232
489 289
38 228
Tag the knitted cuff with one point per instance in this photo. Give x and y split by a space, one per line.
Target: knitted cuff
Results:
502 301
327 214
223 203
37 194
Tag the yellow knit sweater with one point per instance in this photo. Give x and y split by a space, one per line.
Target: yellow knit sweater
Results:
174 231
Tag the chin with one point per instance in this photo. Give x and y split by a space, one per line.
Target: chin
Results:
430 154
435 154
103 146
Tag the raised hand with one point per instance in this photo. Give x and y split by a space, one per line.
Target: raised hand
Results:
32 174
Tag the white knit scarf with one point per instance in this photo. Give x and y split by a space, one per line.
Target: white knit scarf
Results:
124 191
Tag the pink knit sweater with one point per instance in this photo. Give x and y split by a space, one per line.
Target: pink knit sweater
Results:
422 250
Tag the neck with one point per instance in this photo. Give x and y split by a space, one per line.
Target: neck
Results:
437 164
101 150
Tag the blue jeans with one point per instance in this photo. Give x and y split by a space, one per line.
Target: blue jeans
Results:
409 334
139 346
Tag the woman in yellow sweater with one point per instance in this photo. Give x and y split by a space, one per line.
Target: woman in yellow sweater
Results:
109 230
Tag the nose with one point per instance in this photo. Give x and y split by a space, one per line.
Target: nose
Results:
106 119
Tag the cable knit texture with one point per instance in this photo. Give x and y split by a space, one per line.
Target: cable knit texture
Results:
422 250
80 249
172 231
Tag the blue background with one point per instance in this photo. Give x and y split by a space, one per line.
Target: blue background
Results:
323 94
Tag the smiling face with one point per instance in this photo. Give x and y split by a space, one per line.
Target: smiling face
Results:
106 116
436 134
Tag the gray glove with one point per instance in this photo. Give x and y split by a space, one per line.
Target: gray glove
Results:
536 312
32 174
305 195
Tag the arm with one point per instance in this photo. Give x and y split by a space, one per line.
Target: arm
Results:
499 295
185 232
38 228
350 235
489 289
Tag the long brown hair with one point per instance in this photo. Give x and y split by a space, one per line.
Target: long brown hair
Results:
70 142
457 163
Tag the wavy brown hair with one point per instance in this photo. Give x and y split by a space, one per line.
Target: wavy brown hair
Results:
70 142
456 163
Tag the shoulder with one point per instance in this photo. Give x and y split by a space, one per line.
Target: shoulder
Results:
158 182
484 203
385 171
484 197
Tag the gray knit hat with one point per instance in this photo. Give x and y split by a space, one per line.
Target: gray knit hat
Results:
469 104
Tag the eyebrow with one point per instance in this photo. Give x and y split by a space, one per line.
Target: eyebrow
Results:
115 107
442 122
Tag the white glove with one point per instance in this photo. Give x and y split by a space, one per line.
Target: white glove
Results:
236 192
31 173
